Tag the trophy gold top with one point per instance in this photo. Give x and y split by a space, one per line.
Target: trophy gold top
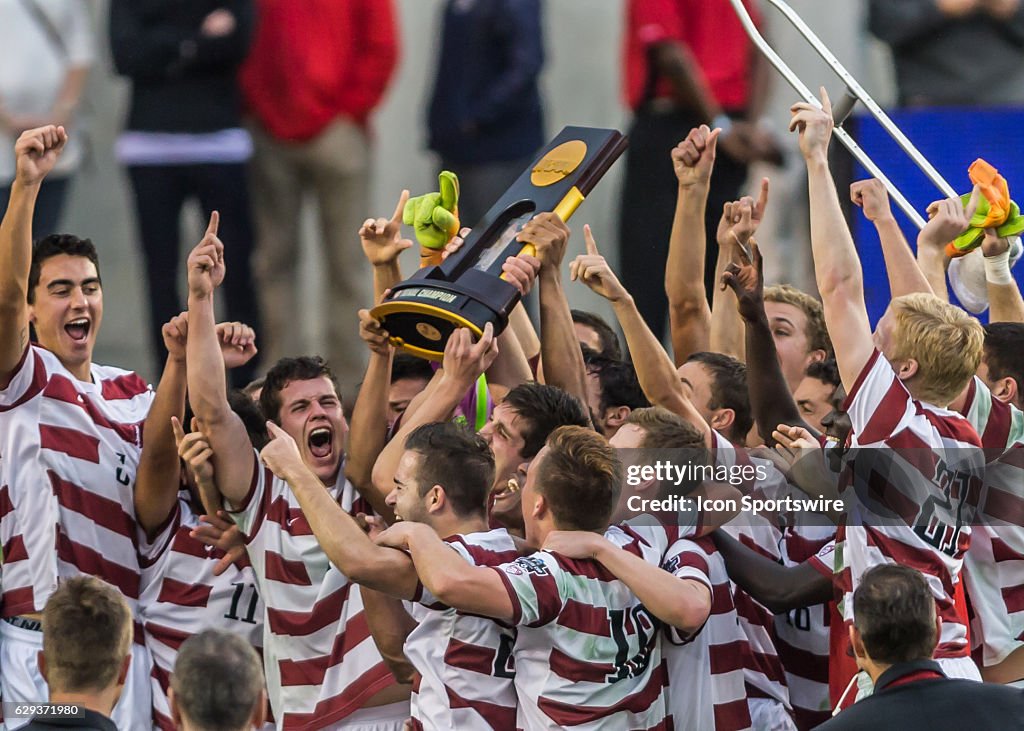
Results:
558 163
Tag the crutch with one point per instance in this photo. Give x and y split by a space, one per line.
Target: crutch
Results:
841 109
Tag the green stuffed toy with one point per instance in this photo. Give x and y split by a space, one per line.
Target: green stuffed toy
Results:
435 218
995 210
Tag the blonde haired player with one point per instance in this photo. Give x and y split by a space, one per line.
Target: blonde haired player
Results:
900 379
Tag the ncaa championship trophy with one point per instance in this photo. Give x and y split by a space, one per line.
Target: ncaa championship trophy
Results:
467 290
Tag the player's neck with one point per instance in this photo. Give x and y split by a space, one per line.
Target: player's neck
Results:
451 524
874 669
543 529
82 371
102 702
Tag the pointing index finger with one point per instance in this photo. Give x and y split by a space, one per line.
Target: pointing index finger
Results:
211 229
762 199
273 429
588 238
826 103
179 433
396 217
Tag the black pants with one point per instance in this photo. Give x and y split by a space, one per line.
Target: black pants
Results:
648 207
160 193
49 205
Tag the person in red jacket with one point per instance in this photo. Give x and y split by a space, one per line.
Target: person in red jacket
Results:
316 71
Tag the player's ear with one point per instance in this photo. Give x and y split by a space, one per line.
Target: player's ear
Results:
436 499
616 416
539 509
816 356
722 419
906 369
1006 390
857 643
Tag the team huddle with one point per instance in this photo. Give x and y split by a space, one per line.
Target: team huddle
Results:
464 551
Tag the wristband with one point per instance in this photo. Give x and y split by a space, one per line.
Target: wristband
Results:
997 269
723 122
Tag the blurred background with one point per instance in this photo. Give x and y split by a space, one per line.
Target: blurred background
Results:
581 85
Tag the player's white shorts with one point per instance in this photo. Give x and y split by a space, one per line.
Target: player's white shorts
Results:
391 717
954 667
20 680
767 714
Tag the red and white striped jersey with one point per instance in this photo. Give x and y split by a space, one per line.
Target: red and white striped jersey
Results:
999 424
916 482
588 654
802 635
707 688
764 673
321 662
181 597
70 455
994 565
464 661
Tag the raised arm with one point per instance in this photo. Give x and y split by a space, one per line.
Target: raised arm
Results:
158 480
654 369
368 429
771 401
947 220
512 367
463 363
905 276
519 322
207 386
837 268
736 229
446 575
688 312
382 243
36 152
682 603
1005 302
195 452
563 360
337 532
777 587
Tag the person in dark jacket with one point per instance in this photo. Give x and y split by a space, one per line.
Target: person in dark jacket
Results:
87 639
894 634
486 117
184 139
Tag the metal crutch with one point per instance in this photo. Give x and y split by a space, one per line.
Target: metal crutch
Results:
853 93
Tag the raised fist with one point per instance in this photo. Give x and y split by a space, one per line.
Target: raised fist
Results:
36 152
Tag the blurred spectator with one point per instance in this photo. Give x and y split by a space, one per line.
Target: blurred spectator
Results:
688 62
893 635
87 639
953 52
317 70
184 139
46 49
217 684
486 120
